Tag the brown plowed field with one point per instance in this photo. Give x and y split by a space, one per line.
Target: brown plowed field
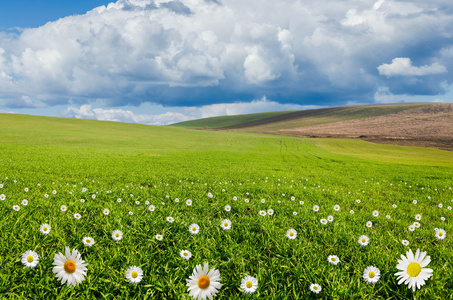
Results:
426 126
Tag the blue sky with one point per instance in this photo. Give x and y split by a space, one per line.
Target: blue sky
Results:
163 61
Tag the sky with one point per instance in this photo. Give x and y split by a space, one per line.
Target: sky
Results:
159 62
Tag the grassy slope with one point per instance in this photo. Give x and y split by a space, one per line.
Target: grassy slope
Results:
116 155
216 122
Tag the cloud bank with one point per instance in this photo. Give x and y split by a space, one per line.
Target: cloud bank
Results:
200 53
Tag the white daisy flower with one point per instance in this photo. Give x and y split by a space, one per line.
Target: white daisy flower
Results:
371 274
30 259
415 201
45 228
418 217
375 213
46 195
185 254
170 219
134 274
412 269
203 284
364 240
291 234
210 195
227 208
369 224
262 213
249 284
358 200
159 237
70 267
77 216
151 208
88 241
440 205
131 213
118 200
263 200
2 197
416 224
117 235
295 213
333 259
351 212
394 206
411 227
388 217
315 208
330 218
442 219
315 288
26 189
440 234
16 207
93 196
194 228
82 200
24 202
336 207
235 198
301 202
54 192
246 200
270 211
188 202
449 207
137 202
405 242
84 190
106 211
323 221
63 208
225 224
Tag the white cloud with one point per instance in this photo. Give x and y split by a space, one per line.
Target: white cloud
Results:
87 111
402 66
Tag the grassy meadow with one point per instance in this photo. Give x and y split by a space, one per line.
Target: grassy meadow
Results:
61 161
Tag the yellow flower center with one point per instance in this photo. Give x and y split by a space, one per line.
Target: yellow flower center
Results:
291 233
333 258
315 287
185 253
371 274
45 229
249 284
70 266
203 282
88 241
440 233
194 228
30 258
363 240
117 234
134 274
414 269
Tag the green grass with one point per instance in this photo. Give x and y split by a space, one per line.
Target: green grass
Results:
223 121
159 164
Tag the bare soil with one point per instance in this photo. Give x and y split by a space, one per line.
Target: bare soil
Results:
426 126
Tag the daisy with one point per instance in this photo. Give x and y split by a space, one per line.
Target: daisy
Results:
375 213
246 200
412 269
418 217
263 213
70 268
440 205
117 235
93 196
333 259
77 216
185 254
449 207
106 211
249 284
323 221
235 198
351 212
416 224
45 228
30 259
394 205
16 207
315 208
54 192
151 208
270 211
194 228
63 208
364 240
369 224
203 284
84 190
440 234
188 202
170 219
263 200
387 216
24 202
358 200
137 202
330 218
118 200
134 274
82 200
2 197
293 198
225 224
336 207
295 213
26 189
371 274
405 242
415 201
88 241
159 237
46 195
291 234
301 202
411 227
315 288
131 213
227 208
442 219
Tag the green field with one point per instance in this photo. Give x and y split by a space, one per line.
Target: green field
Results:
159 164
